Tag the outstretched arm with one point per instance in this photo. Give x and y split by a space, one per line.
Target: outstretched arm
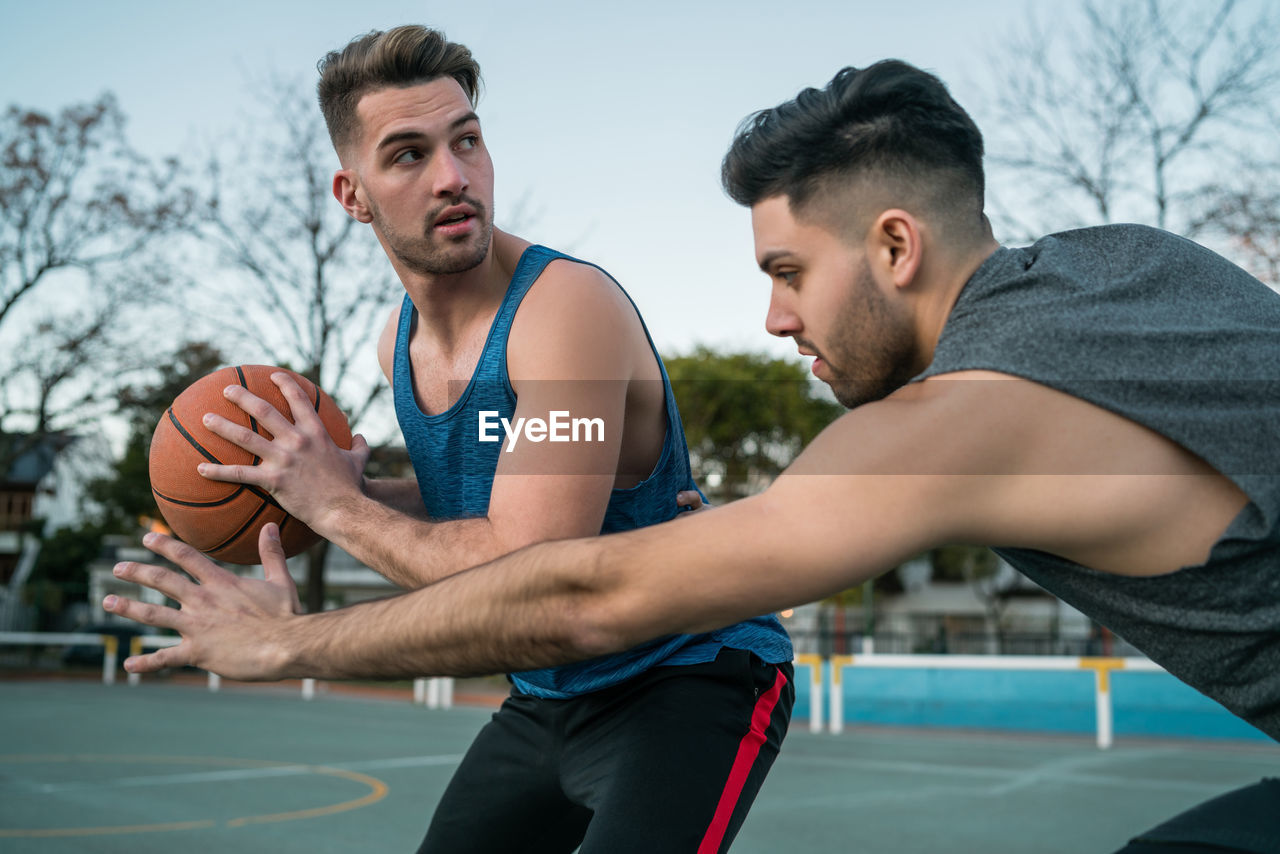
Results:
808 535
941 462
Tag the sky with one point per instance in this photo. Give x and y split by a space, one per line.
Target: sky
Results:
610 120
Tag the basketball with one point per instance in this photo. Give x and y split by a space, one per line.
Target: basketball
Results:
223 519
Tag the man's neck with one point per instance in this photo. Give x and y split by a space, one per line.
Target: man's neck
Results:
449 305
953 273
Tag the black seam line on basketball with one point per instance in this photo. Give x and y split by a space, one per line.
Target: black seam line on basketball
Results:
173 419
236 535
261 493
244 384
253 422
161 496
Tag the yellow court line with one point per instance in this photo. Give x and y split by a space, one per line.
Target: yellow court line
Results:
378 791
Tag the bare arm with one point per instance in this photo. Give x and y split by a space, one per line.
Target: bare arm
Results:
541 490
560 601
931 465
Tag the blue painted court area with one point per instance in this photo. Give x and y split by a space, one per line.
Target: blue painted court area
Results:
1144 703
165 767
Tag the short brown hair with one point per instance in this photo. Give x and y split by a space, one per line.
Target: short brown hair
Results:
400 57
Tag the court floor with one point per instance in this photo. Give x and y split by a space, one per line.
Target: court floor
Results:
164 767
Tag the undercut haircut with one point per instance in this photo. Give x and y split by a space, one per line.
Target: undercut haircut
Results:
398 58
889 124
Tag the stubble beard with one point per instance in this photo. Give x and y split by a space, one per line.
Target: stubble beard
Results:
428 256
870 366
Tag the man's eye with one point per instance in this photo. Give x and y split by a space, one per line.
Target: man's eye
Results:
788 276
469 141
409 155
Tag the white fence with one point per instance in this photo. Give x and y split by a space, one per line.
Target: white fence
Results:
434 693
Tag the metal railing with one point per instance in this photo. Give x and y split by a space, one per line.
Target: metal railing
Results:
434 693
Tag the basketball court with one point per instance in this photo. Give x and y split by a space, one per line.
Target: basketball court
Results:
165 767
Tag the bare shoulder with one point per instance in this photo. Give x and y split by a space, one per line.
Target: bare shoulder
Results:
573 310
926 428
387 342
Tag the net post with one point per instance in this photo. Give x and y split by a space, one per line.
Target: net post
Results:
1102 668
110 646
835 723
814 663
135 648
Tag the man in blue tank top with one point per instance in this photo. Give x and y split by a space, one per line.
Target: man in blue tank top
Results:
534 407
1103 407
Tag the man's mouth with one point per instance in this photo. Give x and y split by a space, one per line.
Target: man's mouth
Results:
454 216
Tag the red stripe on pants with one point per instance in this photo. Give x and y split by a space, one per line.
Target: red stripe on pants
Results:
748 750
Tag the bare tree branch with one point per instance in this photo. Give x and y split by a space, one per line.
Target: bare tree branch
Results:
78 210
1129 113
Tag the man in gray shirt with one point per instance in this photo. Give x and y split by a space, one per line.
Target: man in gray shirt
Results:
1103 407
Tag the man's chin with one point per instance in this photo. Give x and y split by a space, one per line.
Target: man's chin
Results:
852 393
450 260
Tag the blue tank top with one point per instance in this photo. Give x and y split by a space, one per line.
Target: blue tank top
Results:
455 476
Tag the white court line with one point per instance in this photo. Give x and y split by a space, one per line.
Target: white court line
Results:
1008 779
243 773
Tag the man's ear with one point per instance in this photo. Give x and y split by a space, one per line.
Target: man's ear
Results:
346 189
895 247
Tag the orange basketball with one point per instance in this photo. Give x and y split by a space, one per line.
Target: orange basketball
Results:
223 519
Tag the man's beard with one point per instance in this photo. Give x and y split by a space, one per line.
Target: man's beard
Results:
429 256
869 367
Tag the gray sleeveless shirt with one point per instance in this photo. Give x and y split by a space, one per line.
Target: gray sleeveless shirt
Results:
1170 335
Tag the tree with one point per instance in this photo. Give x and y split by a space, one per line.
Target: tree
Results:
123 497
311 286
1136 114
77 204
746 417
1247 217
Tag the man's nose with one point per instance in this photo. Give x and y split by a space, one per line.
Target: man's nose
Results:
781 319
448 177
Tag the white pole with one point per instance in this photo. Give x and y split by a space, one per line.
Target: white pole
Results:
308 689
109 645
1102 681
215 682
419 691
446 693
836 725
135 648
433 693
815 696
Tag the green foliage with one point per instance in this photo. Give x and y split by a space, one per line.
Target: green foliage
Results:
66 553
746 416
963 563
61 573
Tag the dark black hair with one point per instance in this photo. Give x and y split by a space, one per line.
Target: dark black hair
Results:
890 118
